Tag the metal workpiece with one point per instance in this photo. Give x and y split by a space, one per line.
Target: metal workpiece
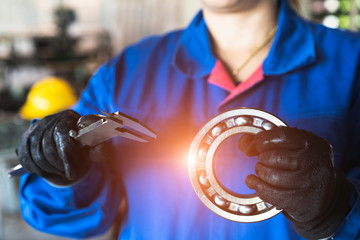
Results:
232 206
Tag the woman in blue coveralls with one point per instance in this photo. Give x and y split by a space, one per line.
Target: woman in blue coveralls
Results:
235 53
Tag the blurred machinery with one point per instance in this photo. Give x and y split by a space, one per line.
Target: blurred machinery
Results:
26 63
26 59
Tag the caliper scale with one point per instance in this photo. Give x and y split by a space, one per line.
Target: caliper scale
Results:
233 206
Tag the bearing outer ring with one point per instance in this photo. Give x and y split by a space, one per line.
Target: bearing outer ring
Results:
231 206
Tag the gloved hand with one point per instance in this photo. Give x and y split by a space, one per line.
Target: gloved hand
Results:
47 150
295 173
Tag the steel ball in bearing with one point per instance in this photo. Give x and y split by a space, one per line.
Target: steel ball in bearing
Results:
203 180
242 121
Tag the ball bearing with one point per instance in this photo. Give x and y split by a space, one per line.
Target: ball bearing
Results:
235 207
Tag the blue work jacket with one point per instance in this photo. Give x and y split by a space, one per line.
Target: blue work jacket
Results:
311 81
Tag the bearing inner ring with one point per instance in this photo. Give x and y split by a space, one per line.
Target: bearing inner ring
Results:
234 207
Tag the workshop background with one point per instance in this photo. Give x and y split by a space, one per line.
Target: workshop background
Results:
69 40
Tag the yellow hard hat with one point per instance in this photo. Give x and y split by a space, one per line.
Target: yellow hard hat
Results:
48 96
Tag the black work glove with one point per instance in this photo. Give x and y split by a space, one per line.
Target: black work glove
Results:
47 150
295 173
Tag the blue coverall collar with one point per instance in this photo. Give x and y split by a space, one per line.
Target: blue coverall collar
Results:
193 53
293 46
